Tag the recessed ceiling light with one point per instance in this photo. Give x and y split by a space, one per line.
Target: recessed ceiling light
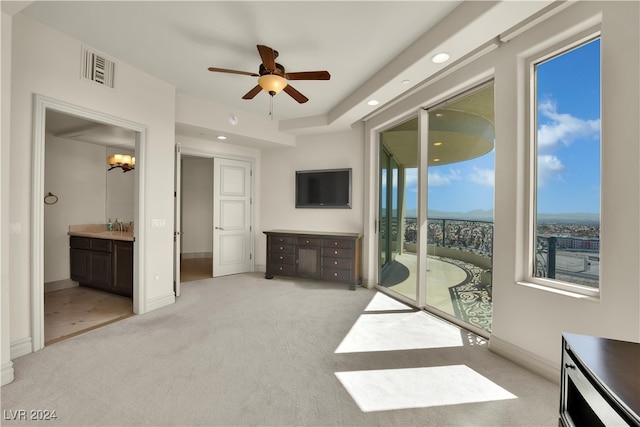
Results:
439 114
406 81
436 160
439 58
437 143
373 102
221 137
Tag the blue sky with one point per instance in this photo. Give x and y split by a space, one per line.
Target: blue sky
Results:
568 141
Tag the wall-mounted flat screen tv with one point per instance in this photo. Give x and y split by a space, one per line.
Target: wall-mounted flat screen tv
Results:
329 188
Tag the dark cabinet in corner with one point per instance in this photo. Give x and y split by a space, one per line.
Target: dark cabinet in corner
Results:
102 264
333 257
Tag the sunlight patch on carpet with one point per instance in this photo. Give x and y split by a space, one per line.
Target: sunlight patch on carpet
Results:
399 331
382 302
391 389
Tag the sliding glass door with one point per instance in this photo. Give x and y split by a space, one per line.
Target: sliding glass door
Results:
460 208
453 264
397 250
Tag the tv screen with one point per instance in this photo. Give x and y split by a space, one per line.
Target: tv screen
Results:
330 188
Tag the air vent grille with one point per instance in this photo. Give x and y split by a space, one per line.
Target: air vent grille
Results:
97 68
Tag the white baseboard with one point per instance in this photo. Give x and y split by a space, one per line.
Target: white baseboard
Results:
7 373
21 347
60 284
190 255
260 268
526 359
159 302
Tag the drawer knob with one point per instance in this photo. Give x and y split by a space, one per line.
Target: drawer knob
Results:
336 252
335 262
335 274
281 257
281 248
307 241
335 243
280 268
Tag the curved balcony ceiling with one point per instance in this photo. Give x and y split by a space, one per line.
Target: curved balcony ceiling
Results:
464 130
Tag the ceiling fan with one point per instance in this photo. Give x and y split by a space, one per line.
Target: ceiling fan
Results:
272 77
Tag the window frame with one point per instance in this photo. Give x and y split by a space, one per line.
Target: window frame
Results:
567 44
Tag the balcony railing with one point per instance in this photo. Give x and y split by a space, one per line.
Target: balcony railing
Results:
546 257
466 235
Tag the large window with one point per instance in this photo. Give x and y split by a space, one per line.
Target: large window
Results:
566 242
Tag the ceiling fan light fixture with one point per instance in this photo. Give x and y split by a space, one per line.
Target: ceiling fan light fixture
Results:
272 83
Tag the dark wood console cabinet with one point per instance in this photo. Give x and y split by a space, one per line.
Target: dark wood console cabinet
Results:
600 382
335 257
102 264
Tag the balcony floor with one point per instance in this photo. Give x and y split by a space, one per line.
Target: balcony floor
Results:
453 286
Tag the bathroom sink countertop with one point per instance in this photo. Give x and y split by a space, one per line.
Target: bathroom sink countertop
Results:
99 231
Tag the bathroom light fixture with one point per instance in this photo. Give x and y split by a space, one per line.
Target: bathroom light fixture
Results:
122 161
373 102
439 58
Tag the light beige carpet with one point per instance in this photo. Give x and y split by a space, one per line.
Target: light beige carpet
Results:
242 350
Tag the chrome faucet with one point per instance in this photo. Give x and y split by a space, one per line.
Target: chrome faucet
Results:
119 226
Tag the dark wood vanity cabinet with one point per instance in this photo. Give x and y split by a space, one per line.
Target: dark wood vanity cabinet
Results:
315 255
102 264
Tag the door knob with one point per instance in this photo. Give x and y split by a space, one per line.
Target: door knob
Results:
219 228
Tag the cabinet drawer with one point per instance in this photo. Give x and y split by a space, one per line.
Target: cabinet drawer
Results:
100 245
282 249
337 263
282 240
77 242
337 253
282 258
282 269
338 243
308 241
336 275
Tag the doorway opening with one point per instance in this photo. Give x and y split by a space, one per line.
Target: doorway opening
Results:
79 282
213 216
196 255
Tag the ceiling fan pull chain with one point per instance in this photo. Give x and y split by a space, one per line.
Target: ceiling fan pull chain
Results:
271 107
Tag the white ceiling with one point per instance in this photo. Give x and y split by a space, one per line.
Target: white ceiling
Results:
369 47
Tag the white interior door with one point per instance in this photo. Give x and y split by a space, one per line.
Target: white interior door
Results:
176 226
231 217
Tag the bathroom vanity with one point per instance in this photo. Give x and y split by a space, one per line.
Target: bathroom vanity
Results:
102 259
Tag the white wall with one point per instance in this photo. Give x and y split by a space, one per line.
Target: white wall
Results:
528 321
326 151
5 139
47 62
197 205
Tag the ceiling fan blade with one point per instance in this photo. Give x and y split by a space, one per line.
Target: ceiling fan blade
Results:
253 92
268 57
295 94
224 70
309 75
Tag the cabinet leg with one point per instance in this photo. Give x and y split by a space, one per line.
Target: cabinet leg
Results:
268 276
352 287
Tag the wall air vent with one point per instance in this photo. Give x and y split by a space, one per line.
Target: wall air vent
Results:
97 68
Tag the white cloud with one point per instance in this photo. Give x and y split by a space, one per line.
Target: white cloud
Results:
562 128
437 178
549 168
483 176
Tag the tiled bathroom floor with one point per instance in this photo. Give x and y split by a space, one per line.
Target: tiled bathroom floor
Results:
69 312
